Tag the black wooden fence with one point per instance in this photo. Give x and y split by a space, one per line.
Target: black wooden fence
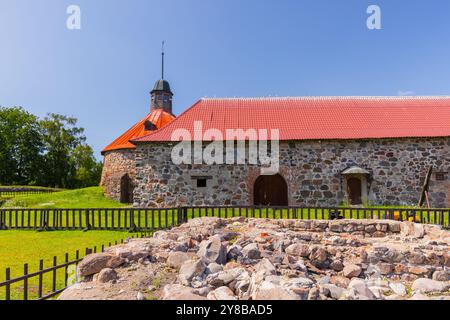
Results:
10 193
419 215
19 287
135 219
125 219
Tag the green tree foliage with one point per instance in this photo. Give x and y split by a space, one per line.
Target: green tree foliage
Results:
87 170
61 137
21 147
50 152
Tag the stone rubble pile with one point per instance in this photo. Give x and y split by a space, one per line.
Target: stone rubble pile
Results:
257 259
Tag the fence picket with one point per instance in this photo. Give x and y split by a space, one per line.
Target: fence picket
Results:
55 264
41 267
8 285
25 282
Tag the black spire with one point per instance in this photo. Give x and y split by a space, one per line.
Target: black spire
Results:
162 61
161 93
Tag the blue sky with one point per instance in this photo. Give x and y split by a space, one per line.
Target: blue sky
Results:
102 74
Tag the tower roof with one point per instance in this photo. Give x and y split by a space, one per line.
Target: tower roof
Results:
158 117
162 85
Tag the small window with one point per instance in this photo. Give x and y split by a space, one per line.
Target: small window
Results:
149 126
201 183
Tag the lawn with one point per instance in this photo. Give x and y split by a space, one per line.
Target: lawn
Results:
19 247
81 198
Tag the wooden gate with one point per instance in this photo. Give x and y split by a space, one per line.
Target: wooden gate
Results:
270 191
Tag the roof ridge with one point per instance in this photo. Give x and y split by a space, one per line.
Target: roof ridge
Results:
330 97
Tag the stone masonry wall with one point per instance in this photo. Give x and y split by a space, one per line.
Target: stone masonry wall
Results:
116 164
312 170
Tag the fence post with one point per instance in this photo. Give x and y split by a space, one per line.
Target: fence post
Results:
25 281
8 286
179 216
184 212
132 224
88 224
55 264
66 269
41 267
47 220
43 221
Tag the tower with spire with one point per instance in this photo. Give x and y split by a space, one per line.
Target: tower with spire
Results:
161 95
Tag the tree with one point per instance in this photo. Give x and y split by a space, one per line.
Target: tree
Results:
51 152
61 136
20 147
87 170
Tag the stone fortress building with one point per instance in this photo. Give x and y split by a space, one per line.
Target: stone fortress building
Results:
333 151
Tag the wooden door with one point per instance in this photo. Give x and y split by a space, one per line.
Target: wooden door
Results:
270 191
126 189
354 191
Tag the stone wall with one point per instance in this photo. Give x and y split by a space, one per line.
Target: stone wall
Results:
116 164
312 170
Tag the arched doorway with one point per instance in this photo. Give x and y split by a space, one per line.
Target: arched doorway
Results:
126 189
356 184
270 191
354 191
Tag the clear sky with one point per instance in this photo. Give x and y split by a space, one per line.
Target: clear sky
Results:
102 74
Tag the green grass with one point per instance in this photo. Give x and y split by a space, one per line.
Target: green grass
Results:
19 247
81 198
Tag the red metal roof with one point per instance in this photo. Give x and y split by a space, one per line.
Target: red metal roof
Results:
158 117
317 118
